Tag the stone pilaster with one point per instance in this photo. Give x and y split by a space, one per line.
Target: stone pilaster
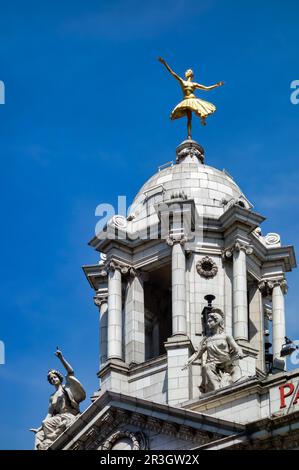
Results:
240 302
114 312
278 317
134 319
275 289
101 301
178 272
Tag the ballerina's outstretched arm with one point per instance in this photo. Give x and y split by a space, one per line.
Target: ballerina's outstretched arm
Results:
176 76
203 87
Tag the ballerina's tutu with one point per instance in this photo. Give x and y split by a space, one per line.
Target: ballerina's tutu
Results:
200 107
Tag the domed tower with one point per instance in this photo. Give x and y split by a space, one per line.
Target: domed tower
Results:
191 298
192 319
190 245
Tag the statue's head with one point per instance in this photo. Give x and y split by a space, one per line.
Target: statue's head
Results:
55 377
215 318
189 73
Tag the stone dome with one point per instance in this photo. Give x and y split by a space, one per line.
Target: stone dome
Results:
212 190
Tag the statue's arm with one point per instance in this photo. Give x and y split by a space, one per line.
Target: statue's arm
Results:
197 355
203 87
234 346
175 75
66 365
48 415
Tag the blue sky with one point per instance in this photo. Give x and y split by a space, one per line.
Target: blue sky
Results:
86 120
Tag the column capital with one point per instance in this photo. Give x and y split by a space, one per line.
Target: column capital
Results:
241 246
177 238
101 297
237 246
133 273
282 283
99 300
114 264
266 286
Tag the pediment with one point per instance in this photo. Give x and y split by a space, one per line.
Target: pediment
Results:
119 422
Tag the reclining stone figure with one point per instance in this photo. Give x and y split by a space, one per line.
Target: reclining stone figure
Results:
221 355
63 406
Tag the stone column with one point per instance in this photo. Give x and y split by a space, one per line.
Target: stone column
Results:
114 312
178 272
278 318
134 319
240 303
101 301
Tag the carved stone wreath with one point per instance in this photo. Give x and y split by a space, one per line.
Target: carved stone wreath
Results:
206 267
137 439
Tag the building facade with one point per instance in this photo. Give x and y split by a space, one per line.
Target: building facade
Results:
191 245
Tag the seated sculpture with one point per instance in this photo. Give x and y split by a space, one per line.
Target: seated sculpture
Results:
63 406
221 354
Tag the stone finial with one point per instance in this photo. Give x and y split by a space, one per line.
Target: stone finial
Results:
189 151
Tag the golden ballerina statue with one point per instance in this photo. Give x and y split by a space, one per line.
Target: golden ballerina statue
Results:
190 103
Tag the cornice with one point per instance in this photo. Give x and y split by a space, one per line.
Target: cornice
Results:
111 409
237 214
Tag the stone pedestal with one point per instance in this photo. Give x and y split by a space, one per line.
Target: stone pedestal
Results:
179 381
114 376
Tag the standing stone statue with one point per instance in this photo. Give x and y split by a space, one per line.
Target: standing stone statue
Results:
221 355
63 406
